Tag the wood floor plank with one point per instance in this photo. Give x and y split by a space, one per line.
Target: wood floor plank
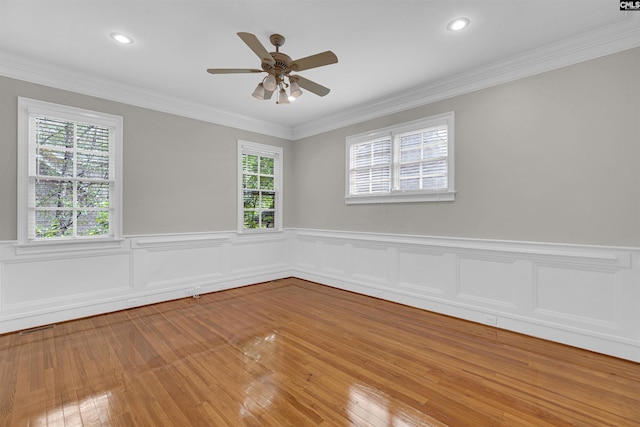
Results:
295 353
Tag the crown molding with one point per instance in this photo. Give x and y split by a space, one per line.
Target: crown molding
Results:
619 36
59 77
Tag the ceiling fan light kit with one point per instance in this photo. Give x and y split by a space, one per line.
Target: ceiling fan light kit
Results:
294 87
261 93
283 98
270 82
279 67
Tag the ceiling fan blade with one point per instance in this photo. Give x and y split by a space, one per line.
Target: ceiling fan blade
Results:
232 70
312 86
313 61
254 44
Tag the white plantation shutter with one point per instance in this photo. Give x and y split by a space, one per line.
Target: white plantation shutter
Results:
409 162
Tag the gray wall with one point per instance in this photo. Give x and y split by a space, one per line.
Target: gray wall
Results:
550 158
179 173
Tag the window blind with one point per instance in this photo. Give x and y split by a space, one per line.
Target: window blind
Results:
370 169
411 162
422 159
71 176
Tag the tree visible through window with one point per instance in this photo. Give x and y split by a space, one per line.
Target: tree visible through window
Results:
260 186
71 181
259 194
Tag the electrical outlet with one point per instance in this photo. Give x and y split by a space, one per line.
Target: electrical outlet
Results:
196 292
490 320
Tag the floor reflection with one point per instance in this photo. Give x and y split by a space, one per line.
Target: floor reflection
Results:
370 407
92 410
254 349
258 395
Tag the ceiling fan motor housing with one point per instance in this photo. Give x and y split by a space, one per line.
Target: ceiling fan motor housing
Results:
281 66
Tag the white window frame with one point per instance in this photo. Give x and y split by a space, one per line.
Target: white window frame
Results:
28 109
395 195
263 150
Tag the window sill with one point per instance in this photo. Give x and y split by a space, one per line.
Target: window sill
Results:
251 231
41 247
448 196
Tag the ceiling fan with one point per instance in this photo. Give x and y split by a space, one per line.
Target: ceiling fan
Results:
279 67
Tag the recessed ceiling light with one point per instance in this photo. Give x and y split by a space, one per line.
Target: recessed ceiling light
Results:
458 24
121 38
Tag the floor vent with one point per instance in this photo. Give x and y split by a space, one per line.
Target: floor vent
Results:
38 329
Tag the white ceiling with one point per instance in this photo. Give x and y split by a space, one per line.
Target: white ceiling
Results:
392 54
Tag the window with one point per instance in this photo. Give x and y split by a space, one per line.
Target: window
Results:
411 162
69 173
260 187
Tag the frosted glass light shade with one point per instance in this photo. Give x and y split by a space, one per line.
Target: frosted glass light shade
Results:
295 89
270 82
282 97
259 93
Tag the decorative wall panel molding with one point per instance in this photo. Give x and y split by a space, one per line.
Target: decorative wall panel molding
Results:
53 283
585 296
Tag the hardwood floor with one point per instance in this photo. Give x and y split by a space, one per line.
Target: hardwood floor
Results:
294 353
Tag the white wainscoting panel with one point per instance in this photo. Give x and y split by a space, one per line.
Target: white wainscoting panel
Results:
425 272
54 283
257 254
370 263
594 294
63 277
178 261
336 257
490 282
584 296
